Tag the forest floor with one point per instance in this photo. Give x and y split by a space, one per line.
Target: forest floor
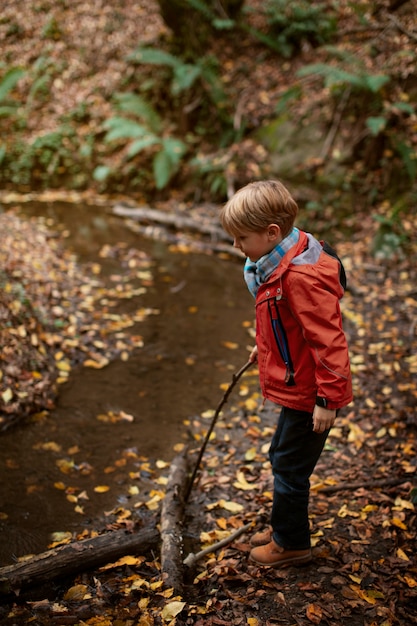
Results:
363 518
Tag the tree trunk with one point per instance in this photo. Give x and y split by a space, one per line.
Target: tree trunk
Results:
191 26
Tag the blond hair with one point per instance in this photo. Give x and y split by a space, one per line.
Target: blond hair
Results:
257 205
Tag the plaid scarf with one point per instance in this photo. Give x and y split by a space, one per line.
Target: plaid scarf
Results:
258 272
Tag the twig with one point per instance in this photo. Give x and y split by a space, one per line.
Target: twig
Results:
213 421
402 28
372 484
192 558
335 125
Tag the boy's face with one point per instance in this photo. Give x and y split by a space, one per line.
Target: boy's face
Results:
257 244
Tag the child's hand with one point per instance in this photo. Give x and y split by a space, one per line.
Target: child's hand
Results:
323 419
254 355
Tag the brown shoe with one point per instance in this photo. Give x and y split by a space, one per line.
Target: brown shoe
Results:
261 538
273 555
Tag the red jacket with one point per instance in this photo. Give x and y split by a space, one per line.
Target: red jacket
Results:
302 349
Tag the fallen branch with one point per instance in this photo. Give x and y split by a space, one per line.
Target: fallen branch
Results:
192 558
160 233
179 222
171 524
72 558
372 484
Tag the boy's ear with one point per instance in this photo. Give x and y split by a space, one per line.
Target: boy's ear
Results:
274 232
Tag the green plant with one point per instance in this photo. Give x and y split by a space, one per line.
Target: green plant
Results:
209 14
45 161
292 23
42 73
212 169
143 136
8 106
390 238
347 71
386 124
184 76
52 30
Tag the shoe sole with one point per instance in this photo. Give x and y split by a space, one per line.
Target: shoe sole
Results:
294 560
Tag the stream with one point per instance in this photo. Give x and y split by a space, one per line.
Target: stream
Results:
188 353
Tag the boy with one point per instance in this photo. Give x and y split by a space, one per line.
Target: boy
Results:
301 351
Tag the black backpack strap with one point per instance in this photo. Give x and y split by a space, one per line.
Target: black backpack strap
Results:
332 252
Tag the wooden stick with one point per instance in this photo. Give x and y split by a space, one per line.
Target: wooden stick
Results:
213 422
192 558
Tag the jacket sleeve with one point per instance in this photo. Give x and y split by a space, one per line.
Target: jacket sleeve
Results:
314 302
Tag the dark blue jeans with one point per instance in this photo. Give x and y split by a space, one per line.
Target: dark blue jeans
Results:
294 452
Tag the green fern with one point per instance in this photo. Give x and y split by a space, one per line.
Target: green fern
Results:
133 104
141 137
337 76
8 107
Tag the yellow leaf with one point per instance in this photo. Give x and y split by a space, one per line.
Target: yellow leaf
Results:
344 511
153 503
402 555
172 609
250 454
96 364
126 560
233 507
411 582
101 488
230 345
129 560
398 523
156 585
76 593
252 621
356 434
369 508
251 404
7 395
63 366
243 390
208 538
401 504
61 537
241 482
21 331
221 523
65 465
51 446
